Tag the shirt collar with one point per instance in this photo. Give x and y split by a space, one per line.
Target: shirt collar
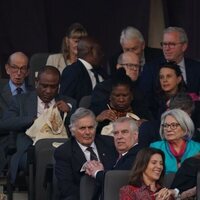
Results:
87 65
84 148
13 87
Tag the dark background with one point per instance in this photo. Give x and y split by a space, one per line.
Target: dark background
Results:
33 26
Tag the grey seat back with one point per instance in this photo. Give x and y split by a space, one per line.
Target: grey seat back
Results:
114 180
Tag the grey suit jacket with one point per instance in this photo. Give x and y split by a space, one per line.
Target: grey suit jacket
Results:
20 116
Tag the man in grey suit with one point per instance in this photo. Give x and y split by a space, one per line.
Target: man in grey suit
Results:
25 108
17 69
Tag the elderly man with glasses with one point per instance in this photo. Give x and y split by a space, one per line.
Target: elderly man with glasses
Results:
174 46
17 69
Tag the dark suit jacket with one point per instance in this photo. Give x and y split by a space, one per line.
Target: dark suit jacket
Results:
149 54
20 116
70 159
76 82
124 163
186 176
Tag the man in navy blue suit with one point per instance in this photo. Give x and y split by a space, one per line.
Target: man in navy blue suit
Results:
79 79
125 132
174 45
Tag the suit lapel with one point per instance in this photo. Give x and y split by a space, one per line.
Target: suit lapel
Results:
78 156
6 94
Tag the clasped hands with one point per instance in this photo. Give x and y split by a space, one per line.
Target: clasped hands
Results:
92 167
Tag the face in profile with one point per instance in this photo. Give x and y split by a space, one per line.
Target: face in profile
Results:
134 45
73 43
47 86
84 130
17 69
121 98
173 48
172 130
124 137
154 169
169 81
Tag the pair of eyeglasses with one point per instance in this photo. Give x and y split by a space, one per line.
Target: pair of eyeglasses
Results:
170 44
172 126
16 68
131 66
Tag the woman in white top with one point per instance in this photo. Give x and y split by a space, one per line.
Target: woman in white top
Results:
68 53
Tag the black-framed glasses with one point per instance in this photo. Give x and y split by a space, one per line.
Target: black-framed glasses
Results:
170 44
16 68
131 66
172 126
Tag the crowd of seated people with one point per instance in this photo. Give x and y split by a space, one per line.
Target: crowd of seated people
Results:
145 102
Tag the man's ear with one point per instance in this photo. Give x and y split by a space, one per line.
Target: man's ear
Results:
7 69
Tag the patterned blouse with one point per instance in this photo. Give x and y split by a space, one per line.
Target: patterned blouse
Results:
130 192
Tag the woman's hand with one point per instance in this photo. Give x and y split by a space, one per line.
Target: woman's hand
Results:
106 114
163 194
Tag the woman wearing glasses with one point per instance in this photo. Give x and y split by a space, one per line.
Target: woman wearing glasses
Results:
176 130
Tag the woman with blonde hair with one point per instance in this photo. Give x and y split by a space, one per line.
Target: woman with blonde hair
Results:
68 53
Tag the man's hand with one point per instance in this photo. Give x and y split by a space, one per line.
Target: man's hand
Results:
62 106
92 167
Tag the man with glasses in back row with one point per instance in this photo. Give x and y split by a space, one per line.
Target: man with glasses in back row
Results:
174 46
17 69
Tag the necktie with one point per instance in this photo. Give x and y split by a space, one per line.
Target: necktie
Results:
19 90
93 155
120 155
95 75
46 105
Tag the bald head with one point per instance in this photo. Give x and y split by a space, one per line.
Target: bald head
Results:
131 63
17 68
90 50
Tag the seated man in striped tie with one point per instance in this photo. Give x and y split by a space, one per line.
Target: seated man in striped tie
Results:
125 133
84 146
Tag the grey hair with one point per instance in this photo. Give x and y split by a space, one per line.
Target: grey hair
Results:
182 101
182 118
132 123
79 114
130 33
182 34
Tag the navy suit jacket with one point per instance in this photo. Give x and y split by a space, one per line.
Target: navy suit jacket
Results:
124 163
70 159
76 82
19 117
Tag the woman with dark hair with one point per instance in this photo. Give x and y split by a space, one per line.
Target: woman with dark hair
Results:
68 53
170 84
121 102
146 177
